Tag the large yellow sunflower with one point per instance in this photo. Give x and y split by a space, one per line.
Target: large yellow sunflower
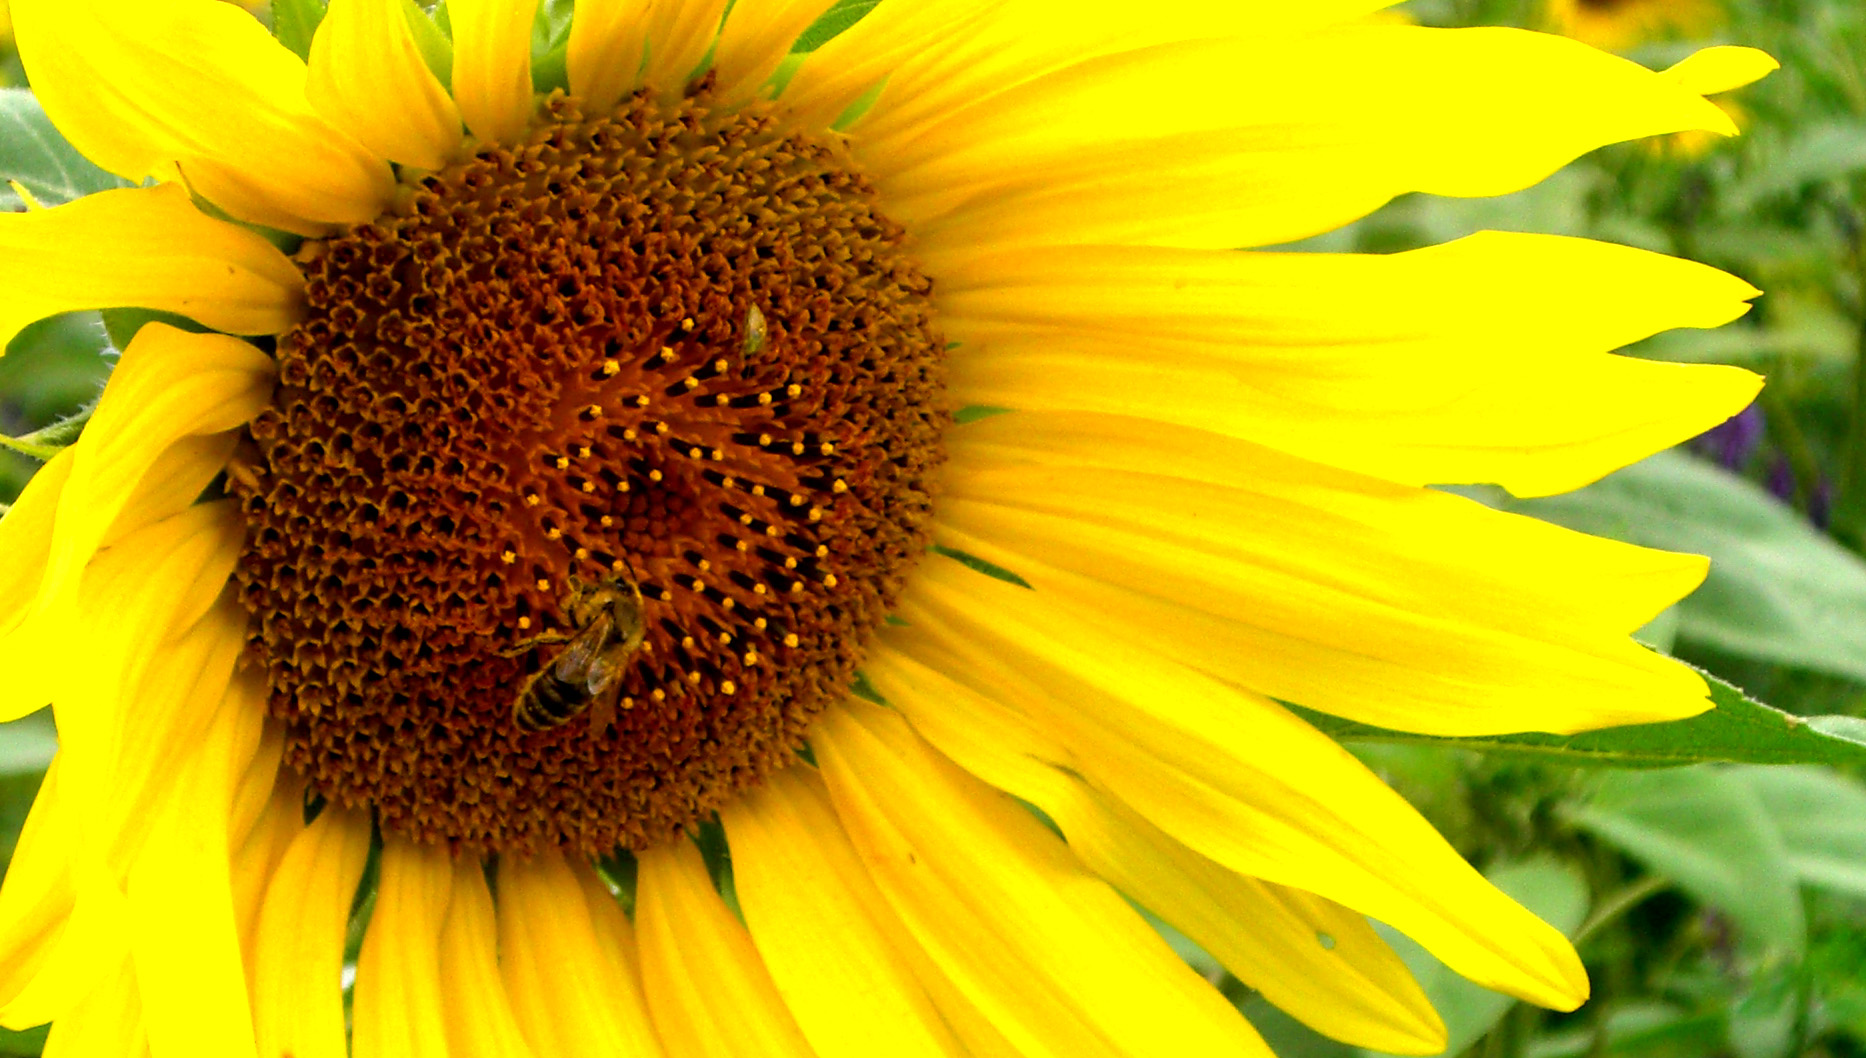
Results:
592 442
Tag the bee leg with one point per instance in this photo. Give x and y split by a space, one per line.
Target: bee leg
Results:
524 646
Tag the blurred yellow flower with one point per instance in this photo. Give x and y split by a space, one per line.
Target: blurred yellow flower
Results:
582 456
1616 25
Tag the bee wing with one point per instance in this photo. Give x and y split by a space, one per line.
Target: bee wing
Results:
605 673
572 665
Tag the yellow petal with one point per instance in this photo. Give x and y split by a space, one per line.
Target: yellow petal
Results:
492 66
398 1009
1382 364
261 786
298 961
26 538
36 897
138 87
1266 138
1351 987
142 248
756 37
1400 607
836 952
108 1021
941 56
184 938
706 986
259 846
480 1022
368 78
606 50
1231 775
169 385
569 962
1714 71
1047 951
680 32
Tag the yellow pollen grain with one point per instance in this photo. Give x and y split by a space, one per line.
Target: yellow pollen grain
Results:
721 366
628 703
617 566
605 521
693 678
816 514
760 624
533 499
728 603
705 565
840 486
727 687
740 545
758 589
589 486
826 448
829 580
717 455
544 585
796 448
654 475
582 552
751 657
553 533
686 324
793 390
765 440
696 452
659 695
745 519
583 451
667 353
690 382
790 562
758 490
796 587
791 640
796 500
660 428
764 398
611 367
666 596
687 642
563 462
629 434
508 557
524 623
773 531
595 410
641 402
725 638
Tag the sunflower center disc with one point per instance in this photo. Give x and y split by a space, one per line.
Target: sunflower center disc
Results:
676 348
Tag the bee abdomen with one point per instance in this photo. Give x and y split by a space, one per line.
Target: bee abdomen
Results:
548 702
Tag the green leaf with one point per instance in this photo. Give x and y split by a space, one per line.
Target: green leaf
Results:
27 744
38 156
24 1043
1554 891
295 22
1736 729
1778 590
1822 819
1707 830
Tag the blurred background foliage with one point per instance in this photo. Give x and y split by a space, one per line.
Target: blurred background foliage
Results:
1721 908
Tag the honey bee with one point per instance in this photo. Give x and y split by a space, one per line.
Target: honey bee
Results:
607 629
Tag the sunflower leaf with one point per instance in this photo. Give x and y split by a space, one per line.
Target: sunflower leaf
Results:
1736 729
42 161
1778 591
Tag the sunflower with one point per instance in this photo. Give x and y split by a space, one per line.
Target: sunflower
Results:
1617 25
630 396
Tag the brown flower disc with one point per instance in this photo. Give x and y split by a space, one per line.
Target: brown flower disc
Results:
537 365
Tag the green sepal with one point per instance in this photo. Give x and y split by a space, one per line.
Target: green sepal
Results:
47 441
295 22
435 46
